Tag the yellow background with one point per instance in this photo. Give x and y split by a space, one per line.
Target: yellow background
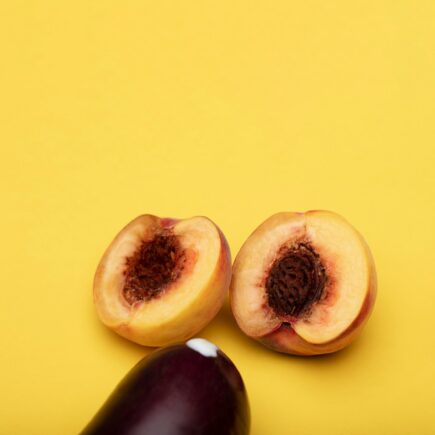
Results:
234 110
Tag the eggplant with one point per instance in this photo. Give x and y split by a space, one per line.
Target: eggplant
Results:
185 389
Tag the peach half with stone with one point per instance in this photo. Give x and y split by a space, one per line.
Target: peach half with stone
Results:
162 280
303 283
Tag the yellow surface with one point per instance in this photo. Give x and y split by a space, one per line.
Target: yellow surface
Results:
234 110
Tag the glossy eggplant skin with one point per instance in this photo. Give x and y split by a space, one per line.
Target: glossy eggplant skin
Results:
176 391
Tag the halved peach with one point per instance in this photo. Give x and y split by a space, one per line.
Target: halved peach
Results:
162 280
303 283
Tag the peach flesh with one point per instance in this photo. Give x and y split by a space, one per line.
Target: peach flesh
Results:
162 280
303 283
284 339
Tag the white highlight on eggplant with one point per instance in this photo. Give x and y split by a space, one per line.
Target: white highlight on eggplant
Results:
203 346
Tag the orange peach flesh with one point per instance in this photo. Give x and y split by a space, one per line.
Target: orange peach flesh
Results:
347 299
186 304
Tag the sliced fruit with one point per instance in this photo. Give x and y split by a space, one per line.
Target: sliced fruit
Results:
303 283
162 280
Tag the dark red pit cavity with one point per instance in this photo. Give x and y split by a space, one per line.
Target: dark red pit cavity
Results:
156 264
296 280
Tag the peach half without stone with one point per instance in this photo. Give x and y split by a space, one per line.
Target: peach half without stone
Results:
162 280
303 283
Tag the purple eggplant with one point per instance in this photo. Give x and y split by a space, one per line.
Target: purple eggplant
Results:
186 389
